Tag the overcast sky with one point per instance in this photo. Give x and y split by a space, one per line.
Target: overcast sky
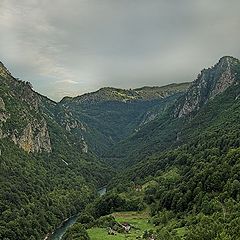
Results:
69 47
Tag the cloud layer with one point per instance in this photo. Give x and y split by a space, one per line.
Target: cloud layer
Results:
68 47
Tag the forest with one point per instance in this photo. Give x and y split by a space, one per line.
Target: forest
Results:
174 173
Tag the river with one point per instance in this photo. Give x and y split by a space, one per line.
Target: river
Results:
102 191
59 232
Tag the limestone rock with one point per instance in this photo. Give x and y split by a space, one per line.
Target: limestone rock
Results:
84 146
210 83
4 71
35 138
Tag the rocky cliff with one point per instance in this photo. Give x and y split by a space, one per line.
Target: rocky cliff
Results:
209 83
21 118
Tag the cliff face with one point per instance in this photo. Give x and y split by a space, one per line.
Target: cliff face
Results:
35 137
4 71
21 118
210 82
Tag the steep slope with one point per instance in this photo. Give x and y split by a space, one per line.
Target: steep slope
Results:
21 118
186 140
107 116
45 175
174 127
193 186
209 84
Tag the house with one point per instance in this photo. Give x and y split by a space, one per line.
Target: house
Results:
126 226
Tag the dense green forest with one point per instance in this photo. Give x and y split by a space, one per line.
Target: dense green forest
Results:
45 177
112 114
168 155
191 187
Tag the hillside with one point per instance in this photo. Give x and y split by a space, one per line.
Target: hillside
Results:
45 175
174 151
109 115
192 187
181 121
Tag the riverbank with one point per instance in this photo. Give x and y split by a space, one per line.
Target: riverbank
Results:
58 233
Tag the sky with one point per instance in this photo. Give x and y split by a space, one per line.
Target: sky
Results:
70 47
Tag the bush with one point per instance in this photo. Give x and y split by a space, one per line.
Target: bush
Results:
76 232
86 219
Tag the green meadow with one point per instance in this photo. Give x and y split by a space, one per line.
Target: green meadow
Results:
138 221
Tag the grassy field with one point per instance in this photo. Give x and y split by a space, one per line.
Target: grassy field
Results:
138 220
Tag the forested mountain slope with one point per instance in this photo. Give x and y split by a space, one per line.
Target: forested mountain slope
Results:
109 115
45 175
193 186
184 118
180 143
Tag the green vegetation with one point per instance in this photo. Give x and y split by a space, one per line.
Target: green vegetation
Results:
76 232
39 190
138 221
180 173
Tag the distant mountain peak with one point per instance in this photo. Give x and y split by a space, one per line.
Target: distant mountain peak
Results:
209 83
228 59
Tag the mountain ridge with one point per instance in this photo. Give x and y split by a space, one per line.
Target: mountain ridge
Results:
170 126
209 83
118 94
53 155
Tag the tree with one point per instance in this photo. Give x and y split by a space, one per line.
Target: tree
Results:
76 232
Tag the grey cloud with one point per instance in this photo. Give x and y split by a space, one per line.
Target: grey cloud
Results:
128 43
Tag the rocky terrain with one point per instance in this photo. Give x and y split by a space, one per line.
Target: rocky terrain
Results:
210 83
174 124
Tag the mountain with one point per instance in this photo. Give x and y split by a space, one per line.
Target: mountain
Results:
191 185
21 117
45 175
208 85
175 126
109 115
174 150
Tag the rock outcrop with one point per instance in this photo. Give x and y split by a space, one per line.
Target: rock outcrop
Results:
21 111
210 83
35 138
3 116
4 71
